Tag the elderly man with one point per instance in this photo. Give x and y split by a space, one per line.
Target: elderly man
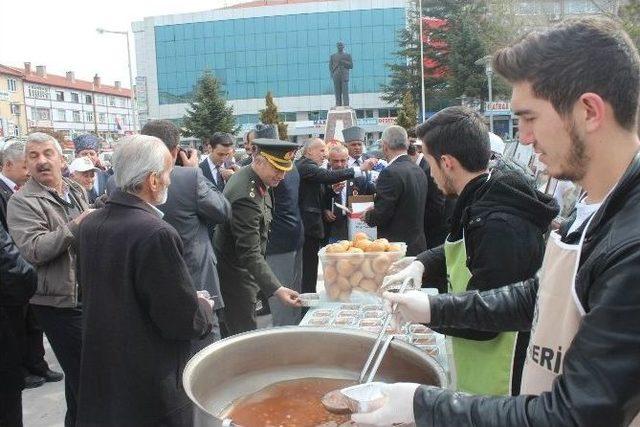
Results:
132 364
335 218
83 171
583 307
354 138
191 213
241 243
43 219
14 175
401 193
248 147
312 181
88 145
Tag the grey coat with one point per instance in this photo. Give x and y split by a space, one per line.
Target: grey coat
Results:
44 233
193 206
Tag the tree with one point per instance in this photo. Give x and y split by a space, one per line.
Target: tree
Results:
208 112
270 116
408 113
630 15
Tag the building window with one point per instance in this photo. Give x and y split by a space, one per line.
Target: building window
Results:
88 116
102 118
15 109
43 114
88 99
39 92
112 101
101 100
388 112
12 85
364 114
76 116
59 95
287 117
61 116
75 97
318 115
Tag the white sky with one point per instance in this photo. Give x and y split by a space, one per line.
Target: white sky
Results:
62 34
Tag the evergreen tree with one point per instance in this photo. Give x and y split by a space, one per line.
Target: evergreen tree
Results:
270 116
208 112
408 113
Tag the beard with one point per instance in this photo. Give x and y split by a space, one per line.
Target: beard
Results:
574 166
162 197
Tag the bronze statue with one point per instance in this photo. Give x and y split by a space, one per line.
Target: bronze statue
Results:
339 65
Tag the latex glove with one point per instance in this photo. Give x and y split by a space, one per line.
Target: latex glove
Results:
414 270
413 306
288 296
398 408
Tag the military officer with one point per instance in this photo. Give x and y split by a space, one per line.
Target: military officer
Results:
241 242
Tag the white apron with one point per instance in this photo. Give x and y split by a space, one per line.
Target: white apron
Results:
557 316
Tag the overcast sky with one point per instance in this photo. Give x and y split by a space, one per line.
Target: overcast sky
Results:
62 34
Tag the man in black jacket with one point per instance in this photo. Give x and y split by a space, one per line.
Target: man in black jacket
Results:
312 179
401 194
17 284
335 219
583 309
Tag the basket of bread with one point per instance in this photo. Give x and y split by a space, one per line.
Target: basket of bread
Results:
357 265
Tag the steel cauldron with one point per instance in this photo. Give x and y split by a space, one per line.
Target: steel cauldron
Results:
245 363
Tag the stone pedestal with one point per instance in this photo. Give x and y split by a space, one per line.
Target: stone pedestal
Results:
338 118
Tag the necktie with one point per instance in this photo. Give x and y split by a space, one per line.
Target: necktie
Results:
219 179
357 162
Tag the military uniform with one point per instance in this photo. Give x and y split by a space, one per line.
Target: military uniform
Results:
241 242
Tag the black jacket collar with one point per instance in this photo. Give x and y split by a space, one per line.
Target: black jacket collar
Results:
119 197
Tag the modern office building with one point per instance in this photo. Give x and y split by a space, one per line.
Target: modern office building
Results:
277 46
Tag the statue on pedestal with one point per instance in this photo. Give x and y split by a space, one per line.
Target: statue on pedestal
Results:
339 65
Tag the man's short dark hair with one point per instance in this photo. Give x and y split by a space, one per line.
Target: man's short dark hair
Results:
220 138
459 132
166 131
576 57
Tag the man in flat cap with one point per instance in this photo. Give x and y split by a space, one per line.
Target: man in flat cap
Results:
354 138
241 242
88 145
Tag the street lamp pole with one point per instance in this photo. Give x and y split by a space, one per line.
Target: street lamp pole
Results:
133 93
488 69
422 100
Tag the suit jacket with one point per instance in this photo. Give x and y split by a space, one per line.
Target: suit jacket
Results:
337 230
102 177
312 180
5 195
286 234
435 222
193 206
139 315
401 193
208 173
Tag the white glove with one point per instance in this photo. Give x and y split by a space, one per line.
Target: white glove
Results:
413 306
398 408
415 270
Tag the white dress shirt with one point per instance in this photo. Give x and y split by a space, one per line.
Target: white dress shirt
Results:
214 171
12 185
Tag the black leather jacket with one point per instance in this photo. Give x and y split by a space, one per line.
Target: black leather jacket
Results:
17 277
600 383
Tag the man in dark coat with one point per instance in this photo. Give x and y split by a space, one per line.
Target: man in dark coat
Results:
214 166
17 284
401 193
140 308
335 219
312 180
193 205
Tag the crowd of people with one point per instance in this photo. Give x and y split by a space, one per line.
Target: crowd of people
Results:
130 269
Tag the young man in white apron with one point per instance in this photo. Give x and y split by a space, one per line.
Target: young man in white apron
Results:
575 89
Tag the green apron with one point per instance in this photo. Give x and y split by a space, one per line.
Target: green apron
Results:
482 367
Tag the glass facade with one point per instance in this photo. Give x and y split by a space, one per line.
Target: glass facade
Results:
287 54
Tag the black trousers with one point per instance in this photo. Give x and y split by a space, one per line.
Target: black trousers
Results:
63 327
33 361
310 263
12 333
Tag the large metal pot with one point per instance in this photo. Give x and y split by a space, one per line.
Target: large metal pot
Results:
246 363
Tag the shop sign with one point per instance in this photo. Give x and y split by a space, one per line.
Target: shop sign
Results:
497 107
387 120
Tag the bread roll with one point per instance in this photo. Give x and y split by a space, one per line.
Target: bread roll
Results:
362 244
380 264
359 236
393 248
355 278
344 267
368 285
343 283
366 269
335 248
376 246
330 274
333 291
